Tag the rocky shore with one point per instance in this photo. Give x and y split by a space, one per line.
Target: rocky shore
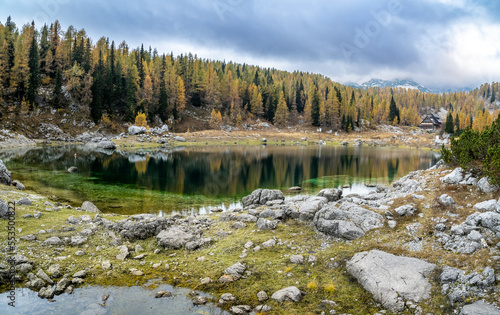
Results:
427 244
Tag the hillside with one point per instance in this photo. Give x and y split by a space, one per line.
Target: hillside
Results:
47 71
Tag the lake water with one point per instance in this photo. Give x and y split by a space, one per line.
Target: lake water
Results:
122 300
197 179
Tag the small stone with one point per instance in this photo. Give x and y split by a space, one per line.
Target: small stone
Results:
269 243
136 272
226 298
46 293
106 265
206 280
248 245
200 300
80 274
80 253
156 265
392 224
162 294
297 259
262 309
241 309
226 279
262 296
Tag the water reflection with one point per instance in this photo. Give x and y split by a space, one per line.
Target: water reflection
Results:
189 178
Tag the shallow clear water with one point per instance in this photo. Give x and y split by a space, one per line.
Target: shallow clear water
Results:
197 179
122 300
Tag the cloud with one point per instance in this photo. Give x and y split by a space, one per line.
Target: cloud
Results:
439 42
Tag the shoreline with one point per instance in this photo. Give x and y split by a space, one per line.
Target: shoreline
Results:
229 253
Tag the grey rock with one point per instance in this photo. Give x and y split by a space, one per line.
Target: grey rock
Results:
490 205
42 275
450 274
4 210
24 202
297 259
106 145
61 286
238 225
454 177
485 186
179 139
391 279
5 175
77 240
29 238
331 194
262 308
348 221
246 218
162 294
18 185
475 236
446 200
406 210
236 270
392 224
262 296
480 308
46 293
80 274
308 209
287 294
261 197
135 130
174 237
269 243
90 207
123 252
241 309
54 271
264 224
54 240
73 220
73 170
226 298
193 245
200 300
37 215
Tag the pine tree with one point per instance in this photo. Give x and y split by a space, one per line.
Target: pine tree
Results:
57 93
393 110
34 72
448 128
315 108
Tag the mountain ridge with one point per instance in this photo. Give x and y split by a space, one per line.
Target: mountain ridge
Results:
405 83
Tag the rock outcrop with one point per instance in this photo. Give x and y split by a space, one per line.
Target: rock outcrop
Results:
392 280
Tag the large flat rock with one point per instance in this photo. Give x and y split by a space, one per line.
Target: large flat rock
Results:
392 280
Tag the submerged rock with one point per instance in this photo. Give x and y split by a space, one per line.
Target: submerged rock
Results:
392 280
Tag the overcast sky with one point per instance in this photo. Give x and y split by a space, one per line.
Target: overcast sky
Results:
438 43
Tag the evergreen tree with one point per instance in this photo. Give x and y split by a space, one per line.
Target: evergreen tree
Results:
315 108
393 110
57 93
448 127
34 72
281 115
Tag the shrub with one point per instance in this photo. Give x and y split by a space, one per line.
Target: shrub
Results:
476 151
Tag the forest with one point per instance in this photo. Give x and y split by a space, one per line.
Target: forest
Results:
49 68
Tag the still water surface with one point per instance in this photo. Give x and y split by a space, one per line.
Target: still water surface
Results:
197 179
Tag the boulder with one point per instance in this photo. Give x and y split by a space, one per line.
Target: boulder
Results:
348 222
73 170
54 240
90 207
446 200
18 185
135 130
174 237
490 205
61 286
287 294
46 293
392 280
24 202
106 145
454 178
179 139
480 308
485 186
262 196
5 178
406 210
331 194
308 209
236 270
264 224
4 210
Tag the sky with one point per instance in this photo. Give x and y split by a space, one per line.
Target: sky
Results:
438 43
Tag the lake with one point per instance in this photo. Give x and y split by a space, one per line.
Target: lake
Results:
199 179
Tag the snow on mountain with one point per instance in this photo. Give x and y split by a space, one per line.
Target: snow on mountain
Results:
406 84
